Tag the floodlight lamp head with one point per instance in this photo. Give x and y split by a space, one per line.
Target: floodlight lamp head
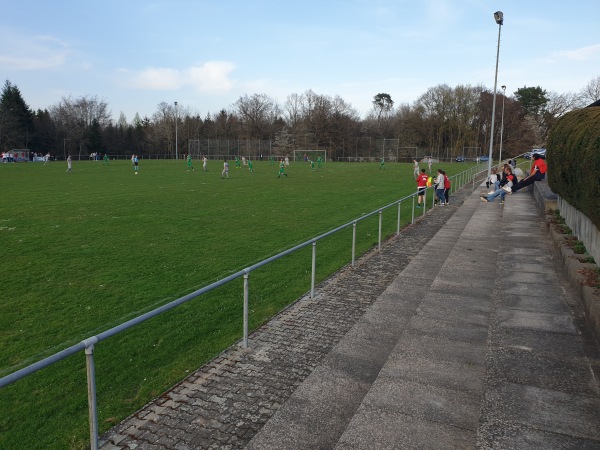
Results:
503 87
499 17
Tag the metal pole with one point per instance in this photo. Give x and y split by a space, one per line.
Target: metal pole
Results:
412 220
489 171
313 270
398 227
245 343
424 202
91 386
353 242
176 150
502 123
380 222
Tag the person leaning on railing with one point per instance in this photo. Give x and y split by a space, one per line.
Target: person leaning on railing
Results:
538 173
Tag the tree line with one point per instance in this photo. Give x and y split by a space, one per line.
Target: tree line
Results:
443 120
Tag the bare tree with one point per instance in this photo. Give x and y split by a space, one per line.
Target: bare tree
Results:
256 113
591 92
74 117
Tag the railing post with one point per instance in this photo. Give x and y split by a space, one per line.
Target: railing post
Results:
398 227
313 270
380 223
412 220
424 202
245 340
91 388
353 242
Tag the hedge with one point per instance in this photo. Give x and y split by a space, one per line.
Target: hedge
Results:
573 156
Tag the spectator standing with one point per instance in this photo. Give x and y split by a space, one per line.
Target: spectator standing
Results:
446 187
439 187
421 186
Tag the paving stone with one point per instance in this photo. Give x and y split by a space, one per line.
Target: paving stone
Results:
444 339
283 353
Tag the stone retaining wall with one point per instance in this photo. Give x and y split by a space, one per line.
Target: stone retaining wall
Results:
589 296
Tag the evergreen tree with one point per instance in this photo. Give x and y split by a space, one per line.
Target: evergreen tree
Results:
16 119
94 138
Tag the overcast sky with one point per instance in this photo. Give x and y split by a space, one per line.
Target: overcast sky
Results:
204 54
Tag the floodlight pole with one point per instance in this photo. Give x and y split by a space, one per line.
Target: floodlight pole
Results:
499 17
176 150
502 123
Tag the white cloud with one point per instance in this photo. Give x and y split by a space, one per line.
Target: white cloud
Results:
25 52
157 79
212 76
583 53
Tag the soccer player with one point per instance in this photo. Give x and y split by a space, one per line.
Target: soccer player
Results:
415 169
46 158
429 163
312 165
69 164
382 163
250 166
281 169
189 163
105 159
319 162
272 160
136 167
287 161
204 161
244 161
225 172
237 163
421 186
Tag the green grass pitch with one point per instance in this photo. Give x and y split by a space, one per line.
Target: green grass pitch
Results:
88 250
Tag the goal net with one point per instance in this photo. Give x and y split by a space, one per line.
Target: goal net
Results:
312 155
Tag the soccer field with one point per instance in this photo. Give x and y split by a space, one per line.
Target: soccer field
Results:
85 251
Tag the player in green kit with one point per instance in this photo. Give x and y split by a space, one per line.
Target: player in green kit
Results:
312 165
382 163
189 163
281 169
105 162
272 160
237 163
319 162
250 166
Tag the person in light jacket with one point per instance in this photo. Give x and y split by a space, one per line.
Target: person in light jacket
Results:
439 187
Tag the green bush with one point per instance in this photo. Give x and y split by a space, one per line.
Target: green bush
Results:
574 160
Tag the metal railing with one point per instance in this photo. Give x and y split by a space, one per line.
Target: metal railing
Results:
87 345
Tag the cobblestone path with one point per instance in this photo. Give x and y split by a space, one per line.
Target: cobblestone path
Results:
224 403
